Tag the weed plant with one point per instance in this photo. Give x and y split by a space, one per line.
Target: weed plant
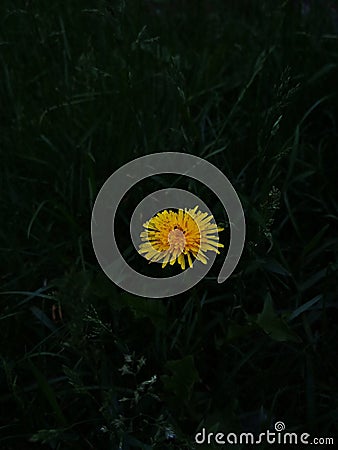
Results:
86 86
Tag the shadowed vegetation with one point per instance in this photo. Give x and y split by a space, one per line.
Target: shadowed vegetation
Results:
86 86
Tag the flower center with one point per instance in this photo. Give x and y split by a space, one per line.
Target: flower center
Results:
176 240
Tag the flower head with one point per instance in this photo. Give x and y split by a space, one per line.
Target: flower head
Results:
171 236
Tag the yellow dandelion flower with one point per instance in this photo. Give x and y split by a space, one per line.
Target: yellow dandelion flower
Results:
171 236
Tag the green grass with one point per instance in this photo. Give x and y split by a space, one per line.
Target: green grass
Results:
88 86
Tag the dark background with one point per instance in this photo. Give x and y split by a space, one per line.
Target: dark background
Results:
86 86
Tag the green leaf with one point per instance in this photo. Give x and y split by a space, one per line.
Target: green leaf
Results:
154 309
271 265
273 325
54 436
237 331
305 307
47 436
184 375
